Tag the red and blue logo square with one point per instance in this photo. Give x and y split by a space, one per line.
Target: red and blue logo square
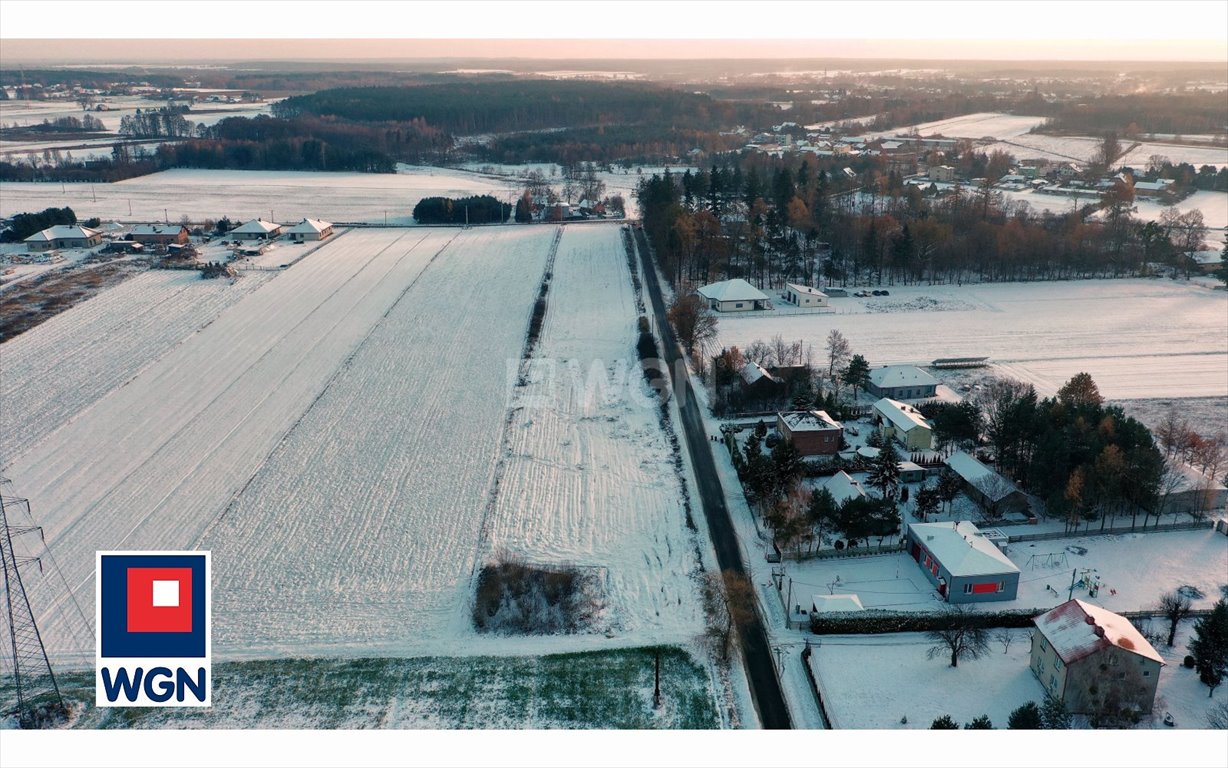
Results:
153 605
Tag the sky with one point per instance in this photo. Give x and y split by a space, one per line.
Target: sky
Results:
1126 30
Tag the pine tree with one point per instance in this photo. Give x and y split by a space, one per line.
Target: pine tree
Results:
885 472
1209 647
1026 717
982 723
944 723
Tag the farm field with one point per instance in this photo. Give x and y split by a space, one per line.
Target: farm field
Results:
54 374
973 126
589 478
292 195
1081 149
1137 338
153 464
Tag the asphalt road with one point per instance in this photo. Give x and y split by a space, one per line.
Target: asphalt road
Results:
756 653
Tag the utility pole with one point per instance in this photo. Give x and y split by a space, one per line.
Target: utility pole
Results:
39 702
1073 573
789 603
780 664
656 691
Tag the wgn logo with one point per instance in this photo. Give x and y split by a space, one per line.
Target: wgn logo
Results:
153 616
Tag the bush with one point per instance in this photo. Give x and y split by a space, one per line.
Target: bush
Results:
1188 662
878 622
516 598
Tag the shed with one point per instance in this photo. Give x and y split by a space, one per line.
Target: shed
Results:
804 296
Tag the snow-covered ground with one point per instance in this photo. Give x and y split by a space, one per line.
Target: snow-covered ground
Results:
973 126
589 478
292 195
874 681
1133 570
1082 149
58 370
1137 338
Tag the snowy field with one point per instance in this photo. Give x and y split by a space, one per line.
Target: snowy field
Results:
974 126
1081 149
1137 338
156 463
589 477
56 371
873 681
292 195
1134 570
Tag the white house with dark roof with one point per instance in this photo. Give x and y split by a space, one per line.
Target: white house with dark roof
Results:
901 382
63 236
309 229
962 563
256 229
1083 655
804 296
903 423
735 295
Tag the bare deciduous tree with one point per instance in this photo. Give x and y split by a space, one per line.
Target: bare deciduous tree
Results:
959 638
1174 606
693 321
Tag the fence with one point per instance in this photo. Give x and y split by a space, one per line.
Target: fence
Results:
1192 526
836 554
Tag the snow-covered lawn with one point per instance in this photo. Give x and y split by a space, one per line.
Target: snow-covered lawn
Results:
873 681
589 478
292 195
1137 338
1132 569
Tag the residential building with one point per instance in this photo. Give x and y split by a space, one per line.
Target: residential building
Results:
734 296
941 173
63 236
901 382
993 492
158 234
804 296
256 229
904 424
758 383
965 566
309 229
843 487
1092 659
812 433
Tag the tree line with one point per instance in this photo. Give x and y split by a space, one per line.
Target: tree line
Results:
479 209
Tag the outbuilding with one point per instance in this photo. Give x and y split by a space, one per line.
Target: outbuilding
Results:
901 382
804 296
734 296
962 563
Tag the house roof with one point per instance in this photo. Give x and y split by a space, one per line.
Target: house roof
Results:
157 229
843 487
903 417
962 549
62 232
980 476
309 226
901 376
808 421
805 290
1078 629
753 372
836 604
732 290
255 226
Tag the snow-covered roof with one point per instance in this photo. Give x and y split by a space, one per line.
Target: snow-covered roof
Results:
1077 629
836 604
157 229
980 476
805 290
962 548
255 227
903 417
901 376
808 421
753 372
308 227
732 290
62 232
843 487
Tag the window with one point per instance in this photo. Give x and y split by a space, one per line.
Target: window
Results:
738 305
1057 662
1146 673
1001 586
1052 683
967 589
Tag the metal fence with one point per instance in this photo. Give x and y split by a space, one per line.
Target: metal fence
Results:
1192 526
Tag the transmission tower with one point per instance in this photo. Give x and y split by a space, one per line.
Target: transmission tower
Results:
39 704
